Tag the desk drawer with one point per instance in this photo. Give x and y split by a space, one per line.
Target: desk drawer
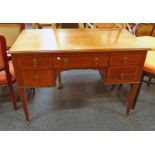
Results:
122 74
29 62
125 59
35 78
81 61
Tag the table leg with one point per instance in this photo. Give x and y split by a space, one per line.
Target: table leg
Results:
59 85
131 98
135 100
24 103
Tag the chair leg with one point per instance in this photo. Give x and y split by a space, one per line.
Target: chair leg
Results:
149 81
135 100
120 86
13 98
113 86
12 94
32 92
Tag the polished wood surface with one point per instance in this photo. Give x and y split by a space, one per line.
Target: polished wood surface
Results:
147 41
40 55
70 40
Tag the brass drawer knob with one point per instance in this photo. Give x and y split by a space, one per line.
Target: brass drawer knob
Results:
37 78
65 61
35 63
58 58
125 59
96 60
122 75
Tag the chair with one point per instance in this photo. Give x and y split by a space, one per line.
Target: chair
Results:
144 29
57 25
148 70
128 26
71 25
145 32
110 25
45 25
7 75
11 31
106 25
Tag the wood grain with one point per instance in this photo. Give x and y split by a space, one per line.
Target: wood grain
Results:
72 40
40 55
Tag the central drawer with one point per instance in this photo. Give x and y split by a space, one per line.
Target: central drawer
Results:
86 61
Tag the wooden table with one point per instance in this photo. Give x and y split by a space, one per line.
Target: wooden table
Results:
40 55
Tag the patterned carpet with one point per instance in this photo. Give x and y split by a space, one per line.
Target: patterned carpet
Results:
84 103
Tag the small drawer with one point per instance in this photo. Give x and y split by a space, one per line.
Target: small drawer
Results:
34 62
81 61
122 74
35 78
125 59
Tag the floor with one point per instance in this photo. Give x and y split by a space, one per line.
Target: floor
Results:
84 103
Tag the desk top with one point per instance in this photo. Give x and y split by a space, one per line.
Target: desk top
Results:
71 40
148 41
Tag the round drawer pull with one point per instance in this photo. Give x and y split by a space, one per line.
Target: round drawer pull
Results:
122 75
125 59
58 58
96 60
65 61
35 63
37 78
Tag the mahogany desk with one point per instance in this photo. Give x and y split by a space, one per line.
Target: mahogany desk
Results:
40 55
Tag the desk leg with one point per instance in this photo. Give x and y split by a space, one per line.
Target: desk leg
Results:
59 85
131 98
24 103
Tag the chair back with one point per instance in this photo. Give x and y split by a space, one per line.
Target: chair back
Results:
72 25
144 29
3 55
109 25
11 31
45 25
80 25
